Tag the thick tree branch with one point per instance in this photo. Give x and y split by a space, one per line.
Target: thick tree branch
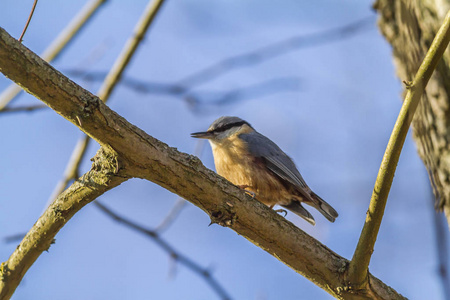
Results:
104 175
146 157
360 262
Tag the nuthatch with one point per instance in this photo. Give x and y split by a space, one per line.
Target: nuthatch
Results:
253 162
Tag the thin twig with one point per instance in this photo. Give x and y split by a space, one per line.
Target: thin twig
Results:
56 47
106 89
274 50
203 97
71 170
171 216
177 256
28 21
124 58
359 264
17 109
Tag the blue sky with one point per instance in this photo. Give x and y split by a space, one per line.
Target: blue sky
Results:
334 119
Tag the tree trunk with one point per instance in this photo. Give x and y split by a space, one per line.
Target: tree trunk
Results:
410 26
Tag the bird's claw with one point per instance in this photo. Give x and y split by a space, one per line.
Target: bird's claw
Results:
253 194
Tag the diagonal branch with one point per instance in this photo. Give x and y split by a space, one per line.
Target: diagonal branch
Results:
184 260
201 97
358 269
275 50
199 100
148 158
17 109
57 45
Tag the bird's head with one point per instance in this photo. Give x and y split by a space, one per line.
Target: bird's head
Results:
224 128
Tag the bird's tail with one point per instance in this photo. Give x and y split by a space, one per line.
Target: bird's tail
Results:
297 208
325 209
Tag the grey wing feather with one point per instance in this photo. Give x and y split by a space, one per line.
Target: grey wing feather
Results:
276 160
282 165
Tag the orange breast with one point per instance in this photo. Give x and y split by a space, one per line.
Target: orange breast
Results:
233 162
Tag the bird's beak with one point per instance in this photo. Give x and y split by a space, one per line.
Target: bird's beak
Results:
202 135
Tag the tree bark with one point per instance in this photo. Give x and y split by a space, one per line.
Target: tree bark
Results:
139 155
410 26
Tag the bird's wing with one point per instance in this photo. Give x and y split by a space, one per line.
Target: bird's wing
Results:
275 159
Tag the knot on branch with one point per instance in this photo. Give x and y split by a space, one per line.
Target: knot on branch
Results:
224 217
4 271
106 165
90 104
106 161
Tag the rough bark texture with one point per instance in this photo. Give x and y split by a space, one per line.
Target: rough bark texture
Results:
410 26
140 155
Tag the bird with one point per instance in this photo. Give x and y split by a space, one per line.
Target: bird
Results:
255 163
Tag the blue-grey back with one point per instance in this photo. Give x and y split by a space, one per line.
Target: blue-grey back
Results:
276 160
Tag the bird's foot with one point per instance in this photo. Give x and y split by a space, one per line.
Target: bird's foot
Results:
281 211
244 187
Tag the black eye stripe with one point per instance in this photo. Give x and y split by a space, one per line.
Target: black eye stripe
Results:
228 126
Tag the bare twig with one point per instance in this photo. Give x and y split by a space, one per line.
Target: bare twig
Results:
129 49
18 109
28 21
174 254
57 45
71 170
203 97
171 216
274 50
106 89
359 264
